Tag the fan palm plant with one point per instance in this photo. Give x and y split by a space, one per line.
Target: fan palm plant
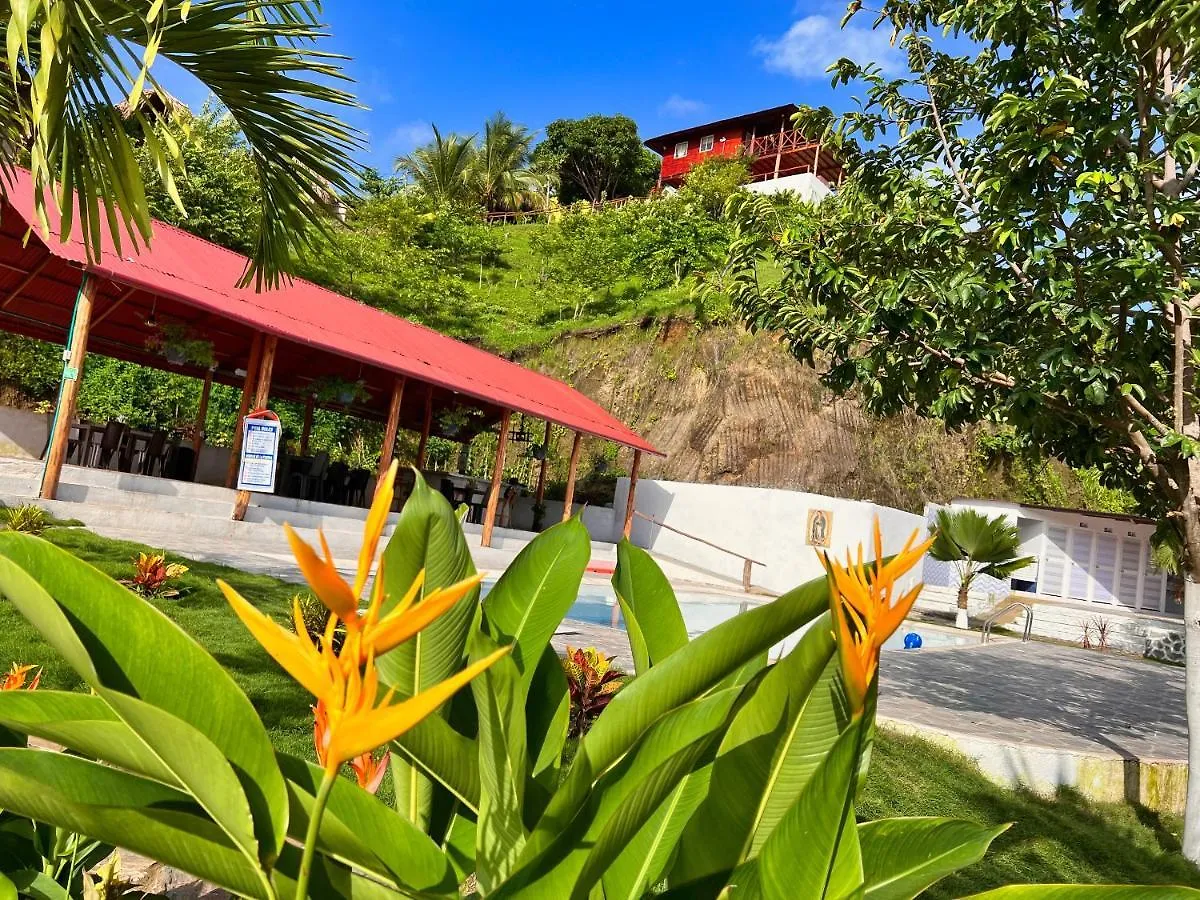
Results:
442 168
976 545
76 74
500 165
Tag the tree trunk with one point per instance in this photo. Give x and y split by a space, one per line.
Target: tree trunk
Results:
960 620
1191 619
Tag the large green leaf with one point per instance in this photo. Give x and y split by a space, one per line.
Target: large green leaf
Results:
821 821
1088 892
359 829
677 680
902 857
775 743
8 890
83 723
427 537
623 801
533 595
646 858
547 721
652 617
435 749
329 879
133 812
500 702
194 762
104 632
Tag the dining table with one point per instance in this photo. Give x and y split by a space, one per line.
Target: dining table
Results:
133 441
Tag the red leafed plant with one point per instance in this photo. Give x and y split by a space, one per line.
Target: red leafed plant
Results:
593 681
152 576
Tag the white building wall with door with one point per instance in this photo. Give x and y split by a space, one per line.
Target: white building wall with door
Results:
1093 558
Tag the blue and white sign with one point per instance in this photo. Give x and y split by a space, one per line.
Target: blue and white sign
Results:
260 455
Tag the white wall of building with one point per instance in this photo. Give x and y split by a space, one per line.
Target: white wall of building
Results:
766 524
804 185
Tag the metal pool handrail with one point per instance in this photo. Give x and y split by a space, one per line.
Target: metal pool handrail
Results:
987 625
747 562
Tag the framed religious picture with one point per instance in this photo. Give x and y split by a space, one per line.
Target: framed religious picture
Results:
820 526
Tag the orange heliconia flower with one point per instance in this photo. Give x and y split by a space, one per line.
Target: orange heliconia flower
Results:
15 678
865 612
367 769
349 722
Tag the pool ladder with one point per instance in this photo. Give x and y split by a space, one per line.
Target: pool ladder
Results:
987 625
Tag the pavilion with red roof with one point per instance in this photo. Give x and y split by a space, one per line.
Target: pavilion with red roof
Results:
275 343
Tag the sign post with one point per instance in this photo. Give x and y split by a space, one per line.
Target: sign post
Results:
260 452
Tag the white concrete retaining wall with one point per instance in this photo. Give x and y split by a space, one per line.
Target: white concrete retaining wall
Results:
600 520
766 524
23 432
804 185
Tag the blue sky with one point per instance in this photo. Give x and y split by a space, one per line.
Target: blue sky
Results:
665 66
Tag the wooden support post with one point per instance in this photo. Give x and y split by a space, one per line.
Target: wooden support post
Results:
306 433
235 451
68 391
779 149
201 419
747 565
489 517
817 161
423 447
569 499
629 501
389 434
262 396
540 496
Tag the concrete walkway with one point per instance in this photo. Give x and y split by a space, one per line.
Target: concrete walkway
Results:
1041 694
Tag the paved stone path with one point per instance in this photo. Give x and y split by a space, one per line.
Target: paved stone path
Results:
1041 694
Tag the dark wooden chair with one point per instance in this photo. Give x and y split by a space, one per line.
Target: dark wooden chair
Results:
153 454
100 453
356 487
310 483
336 482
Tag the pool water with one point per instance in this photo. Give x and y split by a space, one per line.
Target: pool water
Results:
596 605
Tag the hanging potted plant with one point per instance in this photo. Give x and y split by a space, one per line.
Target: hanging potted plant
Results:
456 420
179 346
329 389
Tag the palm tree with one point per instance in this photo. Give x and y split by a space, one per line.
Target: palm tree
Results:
500 166
443 168
65 80
976 545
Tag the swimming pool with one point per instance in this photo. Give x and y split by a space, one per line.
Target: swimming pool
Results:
597 605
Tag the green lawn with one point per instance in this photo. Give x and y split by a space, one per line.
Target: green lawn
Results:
1065 839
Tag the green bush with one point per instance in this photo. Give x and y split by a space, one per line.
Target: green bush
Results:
26 518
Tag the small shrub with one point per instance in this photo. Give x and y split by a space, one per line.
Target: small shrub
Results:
593 681
26 518
315 616
153 576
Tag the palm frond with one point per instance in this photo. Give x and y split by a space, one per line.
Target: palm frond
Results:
76 63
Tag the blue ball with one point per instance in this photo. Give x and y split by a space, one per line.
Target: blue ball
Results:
912 641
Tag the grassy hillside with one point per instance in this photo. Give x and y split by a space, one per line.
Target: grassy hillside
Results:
522 309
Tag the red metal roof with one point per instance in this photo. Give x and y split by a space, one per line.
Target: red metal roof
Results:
319 330
775 116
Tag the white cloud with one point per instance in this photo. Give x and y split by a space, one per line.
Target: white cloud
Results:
676 105
813 43
408 136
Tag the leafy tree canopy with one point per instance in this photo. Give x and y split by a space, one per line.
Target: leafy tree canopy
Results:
597 157
1017 244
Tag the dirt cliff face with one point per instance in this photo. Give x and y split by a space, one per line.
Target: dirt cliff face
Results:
729 407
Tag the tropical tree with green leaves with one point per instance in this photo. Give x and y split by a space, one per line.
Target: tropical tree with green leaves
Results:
70 66
976 545
442 168
500 167
1016 242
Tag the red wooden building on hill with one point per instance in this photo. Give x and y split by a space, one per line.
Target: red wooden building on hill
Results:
782 157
